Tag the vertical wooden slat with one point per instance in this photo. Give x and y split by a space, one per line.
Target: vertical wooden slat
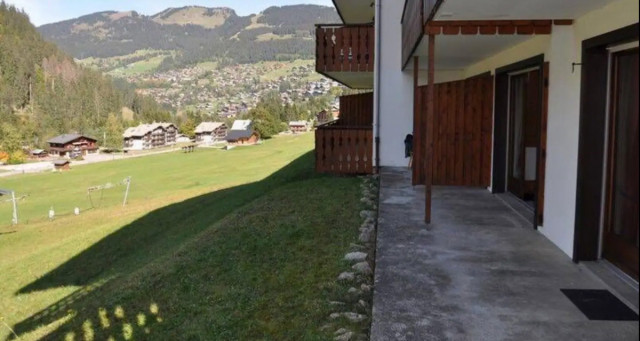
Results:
477 132
430 130
453 109
487 130
320 50
416 117
338 50
370 47
436 134
345 32
355 43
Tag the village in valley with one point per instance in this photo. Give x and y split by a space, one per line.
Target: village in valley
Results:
228 91
222 98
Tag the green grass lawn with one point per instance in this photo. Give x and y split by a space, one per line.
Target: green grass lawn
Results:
240 244
285 70
143 66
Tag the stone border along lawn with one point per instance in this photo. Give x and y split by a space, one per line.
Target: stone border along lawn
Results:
351 311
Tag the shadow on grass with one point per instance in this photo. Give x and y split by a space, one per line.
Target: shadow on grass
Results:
156 234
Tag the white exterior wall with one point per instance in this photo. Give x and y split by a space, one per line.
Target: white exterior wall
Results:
137 144
207 139
396 88
561 48
564 115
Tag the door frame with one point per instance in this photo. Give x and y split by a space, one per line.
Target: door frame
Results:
594 100
501 125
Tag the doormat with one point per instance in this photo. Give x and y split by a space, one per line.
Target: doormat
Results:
600 305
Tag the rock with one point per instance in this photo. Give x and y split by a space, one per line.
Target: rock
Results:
344 337
367 201
367 214
365 288
353 291
363 304
326 327
367 225
341 331
355 256
354 317
356 246
365 236
346 276
336 303
363 268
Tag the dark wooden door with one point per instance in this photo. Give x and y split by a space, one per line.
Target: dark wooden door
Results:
621 221
524 133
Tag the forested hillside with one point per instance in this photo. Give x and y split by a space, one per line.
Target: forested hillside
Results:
43 93
194 34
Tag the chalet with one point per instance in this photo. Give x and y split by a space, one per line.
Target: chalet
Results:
38 153
210 132
242 133
68 145
299 126
171 131
148 136
535 102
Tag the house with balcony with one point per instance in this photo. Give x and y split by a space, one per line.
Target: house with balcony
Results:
532 103
71 145
210 132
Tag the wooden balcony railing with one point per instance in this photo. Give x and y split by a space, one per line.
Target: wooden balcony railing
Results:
414 18
345 48
356 110
344 149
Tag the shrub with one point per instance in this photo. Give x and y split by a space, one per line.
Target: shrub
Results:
17 157
4 157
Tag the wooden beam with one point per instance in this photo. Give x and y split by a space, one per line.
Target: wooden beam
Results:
563 22
417 156
492 27
429 131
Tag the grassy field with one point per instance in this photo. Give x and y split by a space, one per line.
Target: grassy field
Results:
240 244
143 66
283 71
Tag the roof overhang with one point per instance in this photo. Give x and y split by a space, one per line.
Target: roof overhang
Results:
516 10
354 12
455 52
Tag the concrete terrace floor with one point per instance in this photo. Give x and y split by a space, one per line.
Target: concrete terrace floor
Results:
478 272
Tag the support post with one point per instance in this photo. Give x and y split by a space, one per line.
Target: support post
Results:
428 162
416 157
15 208
126 193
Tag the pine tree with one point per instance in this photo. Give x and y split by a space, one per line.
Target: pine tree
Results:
114 132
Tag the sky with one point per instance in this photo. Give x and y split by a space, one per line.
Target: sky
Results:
47 11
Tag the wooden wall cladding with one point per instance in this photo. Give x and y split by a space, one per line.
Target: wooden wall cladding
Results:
463 129
356 110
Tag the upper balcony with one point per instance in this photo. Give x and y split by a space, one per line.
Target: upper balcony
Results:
414 17
345 53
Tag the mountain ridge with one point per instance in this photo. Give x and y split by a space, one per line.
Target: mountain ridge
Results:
194 33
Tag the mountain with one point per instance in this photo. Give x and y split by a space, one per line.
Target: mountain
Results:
43 92
192 34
